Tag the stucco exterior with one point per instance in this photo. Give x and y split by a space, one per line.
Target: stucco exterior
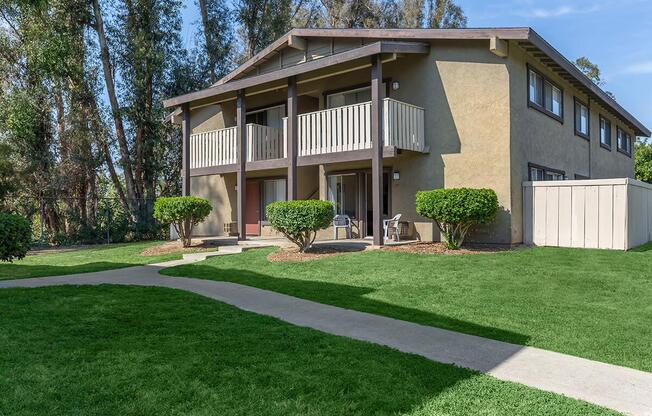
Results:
479 130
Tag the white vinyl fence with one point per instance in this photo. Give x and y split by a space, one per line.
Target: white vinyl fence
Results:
601 213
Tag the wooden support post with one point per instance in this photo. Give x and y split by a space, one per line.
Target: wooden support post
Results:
241 119
185 149
292 147
377 148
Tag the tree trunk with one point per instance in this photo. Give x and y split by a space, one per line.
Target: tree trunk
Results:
115 108
208 39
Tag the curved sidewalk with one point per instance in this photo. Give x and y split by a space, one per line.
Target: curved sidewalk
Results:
619 388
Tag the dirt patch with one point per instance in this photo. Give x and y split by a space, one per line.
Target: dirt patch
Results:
176 247
439 248
314 253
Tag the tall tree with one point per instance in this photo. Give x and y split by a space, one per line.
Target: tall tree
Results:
263 21
445 14
217 39
145 40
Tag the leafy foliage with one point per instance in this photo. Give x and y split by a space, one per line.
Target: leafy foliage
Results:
592 71
643 161
183 212
299 221
15 237
457 210
82 124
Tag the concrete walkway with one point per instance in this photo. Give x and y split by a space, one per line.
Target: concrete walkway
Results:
619 388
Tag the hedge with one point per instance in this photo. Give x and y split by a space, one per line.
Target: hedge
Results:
457 210
183 212
299 221
15 237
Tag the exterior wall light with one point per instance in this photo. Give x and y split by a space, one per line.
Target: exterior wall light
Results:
396 85
397 175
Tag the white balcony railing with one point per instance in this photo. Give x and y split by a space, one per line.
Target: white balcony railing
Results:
219 147
349 128
327 131
264 143
213 148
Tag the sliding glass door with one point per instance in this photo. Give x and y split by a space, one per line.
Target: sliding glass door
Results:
343 193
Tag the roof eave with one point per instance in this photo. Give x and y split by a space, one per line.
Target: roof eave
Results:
568 66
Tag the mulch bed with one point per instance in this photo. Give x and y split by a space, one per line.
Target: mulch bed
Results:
176 247
439 248
314 253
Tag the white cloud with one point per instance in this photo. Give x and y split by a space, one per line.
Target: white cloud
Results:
546 13
561 10
639 68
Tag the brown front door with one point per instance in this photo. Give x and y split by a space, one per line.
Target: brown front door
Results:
252 211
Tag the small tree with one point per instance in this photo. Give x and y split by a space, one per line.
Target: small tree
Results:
183 213
299 221
456 211
15 237
643 161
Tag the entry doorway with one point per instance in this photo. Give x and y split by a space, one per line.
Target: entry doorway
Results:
259 194
252 210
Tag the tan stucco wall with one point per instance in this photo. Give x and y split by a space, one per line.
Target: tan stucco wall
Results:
220 190
479 129
464 90
539 139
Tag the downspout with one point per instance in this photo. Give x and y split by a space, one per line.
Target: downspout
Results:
588 103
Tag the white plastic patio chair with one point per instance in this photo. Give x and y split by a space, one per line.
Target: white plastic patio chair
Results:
342 221
392 223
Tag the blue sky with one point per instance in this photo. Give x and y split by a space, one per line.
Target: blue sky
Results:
615 34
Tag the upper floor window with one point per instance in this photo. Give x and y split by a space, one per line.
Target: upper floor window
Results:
270 116
544 95
624 142
605 133
581 119
356 96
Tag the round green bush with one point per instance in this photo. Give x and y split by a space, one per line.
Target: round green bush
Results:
457 210
15 237
183 212
299 221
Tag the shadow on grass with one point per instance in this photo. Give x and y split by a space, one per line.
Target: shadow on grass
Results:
205 357
642 248
9 271
346 296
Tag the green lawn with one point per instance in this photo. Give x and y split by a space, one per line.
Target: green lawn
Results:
113 350
93 259
590 303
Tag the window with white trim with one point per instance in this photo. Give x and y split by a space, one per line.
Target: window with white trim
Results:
273 190
343 193
624 141
544 95
270 116
581 119
356 96
605 132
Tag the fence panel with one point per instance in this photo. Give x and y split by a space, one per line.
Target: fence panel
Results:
607 213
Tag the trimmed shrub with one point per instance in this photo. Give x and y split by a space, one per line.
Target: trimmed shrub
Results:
299 221
183 212
15 237
456 211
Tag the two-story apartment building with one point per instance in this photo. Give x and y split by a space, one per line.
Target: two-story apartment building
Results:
366 118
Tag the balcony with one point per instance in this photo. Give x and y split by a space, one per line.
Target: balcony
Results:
334 130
